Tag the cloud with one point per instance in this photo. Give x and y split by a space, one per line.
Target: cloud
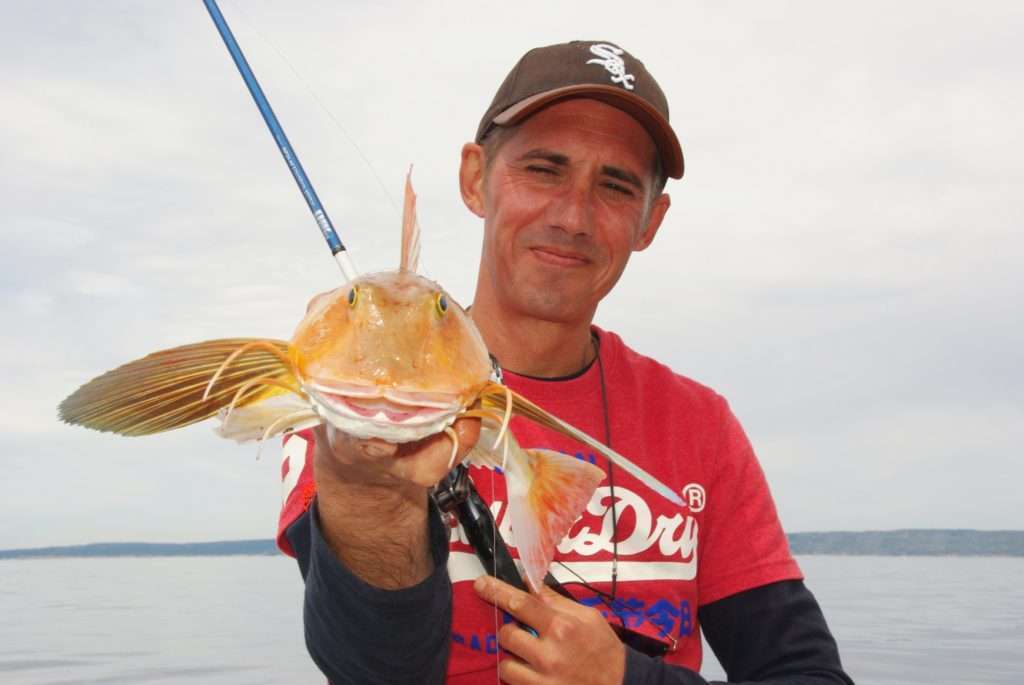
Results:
922 466
32 304
841 261
96 284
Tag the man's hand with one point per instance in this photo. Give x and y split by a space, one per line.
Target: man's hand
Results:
372 500
372 497
376 463
574 644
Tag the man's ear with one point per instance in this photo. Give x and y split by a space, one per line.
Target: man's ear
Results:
654 218
471 178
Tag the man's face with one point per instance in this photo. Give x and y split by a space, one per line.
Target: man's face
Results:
566 200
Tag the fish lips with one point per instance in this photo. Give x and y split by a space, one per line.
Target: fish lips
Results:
387 414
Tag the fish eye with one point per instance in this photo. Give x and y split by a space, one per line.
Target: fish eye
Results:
353 296
441 304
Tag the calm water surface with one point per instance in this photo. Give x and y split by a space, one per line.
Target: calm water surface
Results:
153 620
921 620
899 620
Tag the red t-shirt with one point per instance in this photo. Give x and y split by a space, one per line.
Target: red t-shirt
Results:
671 560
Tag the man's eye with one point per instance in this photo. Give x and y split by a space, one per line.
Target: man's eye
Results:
541 169
622 190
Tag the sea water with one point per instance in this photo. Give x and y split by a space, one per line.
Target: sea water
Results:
898 620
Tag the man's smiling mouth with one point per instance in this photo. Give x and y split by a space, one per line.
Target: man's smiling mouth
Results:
558 257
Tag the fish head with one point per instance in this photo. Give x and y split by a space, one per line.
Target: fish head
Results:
390 355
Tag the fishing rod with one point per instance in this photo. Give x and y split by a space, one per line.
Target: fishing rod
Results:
338 251
455 495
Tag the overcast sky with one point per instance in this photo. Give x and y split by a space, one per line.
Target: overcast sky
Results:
842 260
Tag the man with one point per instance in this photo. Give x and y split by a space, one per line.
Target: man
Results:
567 172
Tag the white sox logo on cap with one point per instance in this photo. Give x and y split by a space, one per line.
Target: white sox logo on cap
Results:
612 62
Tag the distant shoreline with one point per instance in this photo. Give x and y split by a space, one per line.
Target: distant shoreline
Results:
223 548
910 542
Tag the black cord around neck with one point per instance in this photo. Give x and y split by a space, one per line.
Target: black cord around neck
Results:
611 466
605 597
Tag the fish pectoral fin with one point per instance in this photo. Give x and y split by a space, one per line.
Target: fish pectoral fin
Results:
169 389
544 503
481 457
266 418
495 399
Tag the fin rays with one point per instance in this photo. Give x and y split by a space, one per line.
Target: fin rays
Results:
543 513
165 389
494 397
410 229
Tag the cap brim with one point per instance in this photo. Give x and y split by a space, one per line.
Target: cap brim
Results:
651 119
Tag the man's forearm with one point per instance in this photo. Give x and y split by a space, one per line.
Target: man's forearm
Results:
352 518
374 524
358 633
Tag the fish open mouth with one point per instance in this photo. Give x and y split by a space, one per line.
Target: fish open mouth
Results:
386 413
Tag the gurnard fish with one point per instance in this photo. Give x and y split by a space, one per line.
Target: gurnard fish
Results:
389 355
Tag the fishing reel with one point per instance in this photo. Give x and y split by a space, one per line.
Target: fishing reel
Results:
458 500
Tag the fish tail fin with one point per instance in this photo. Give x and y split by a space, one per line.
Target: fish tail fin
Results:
171 388
544 501
410 229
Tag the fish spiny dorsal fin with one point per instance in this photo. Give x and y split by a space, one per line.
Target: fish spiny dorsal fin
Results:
410 229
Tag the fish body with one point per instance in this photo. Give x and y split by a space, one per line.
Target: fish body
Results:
389 355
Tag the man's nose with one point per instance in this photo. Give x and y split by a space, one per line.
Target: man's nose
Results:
572 209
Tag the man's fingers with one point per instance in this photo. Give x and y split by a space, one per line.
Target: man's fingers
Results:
515 672
569 647
563 604
518 641
343 443
422 463
526 608
468 431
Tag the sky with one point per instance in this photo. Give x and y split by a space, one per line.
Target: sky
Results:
841 260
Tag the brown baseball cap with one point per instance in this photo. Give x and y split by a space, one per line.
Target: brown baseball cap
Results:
593 69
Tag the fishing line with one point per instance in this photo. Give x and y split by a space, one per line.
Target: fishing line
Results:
498 376
611 466
312 92
494 574
323 221
251 26
316 98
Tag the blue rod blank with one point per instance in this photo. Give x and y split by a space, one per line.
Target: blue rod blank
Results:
287 151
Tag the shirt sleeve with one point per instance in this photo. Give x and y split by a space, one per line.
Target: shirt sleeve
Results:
744 545
357 633
772 635
297 484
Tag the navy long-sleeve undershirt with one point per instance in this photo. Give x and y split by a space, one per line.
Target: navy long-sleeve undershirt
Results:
357 633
